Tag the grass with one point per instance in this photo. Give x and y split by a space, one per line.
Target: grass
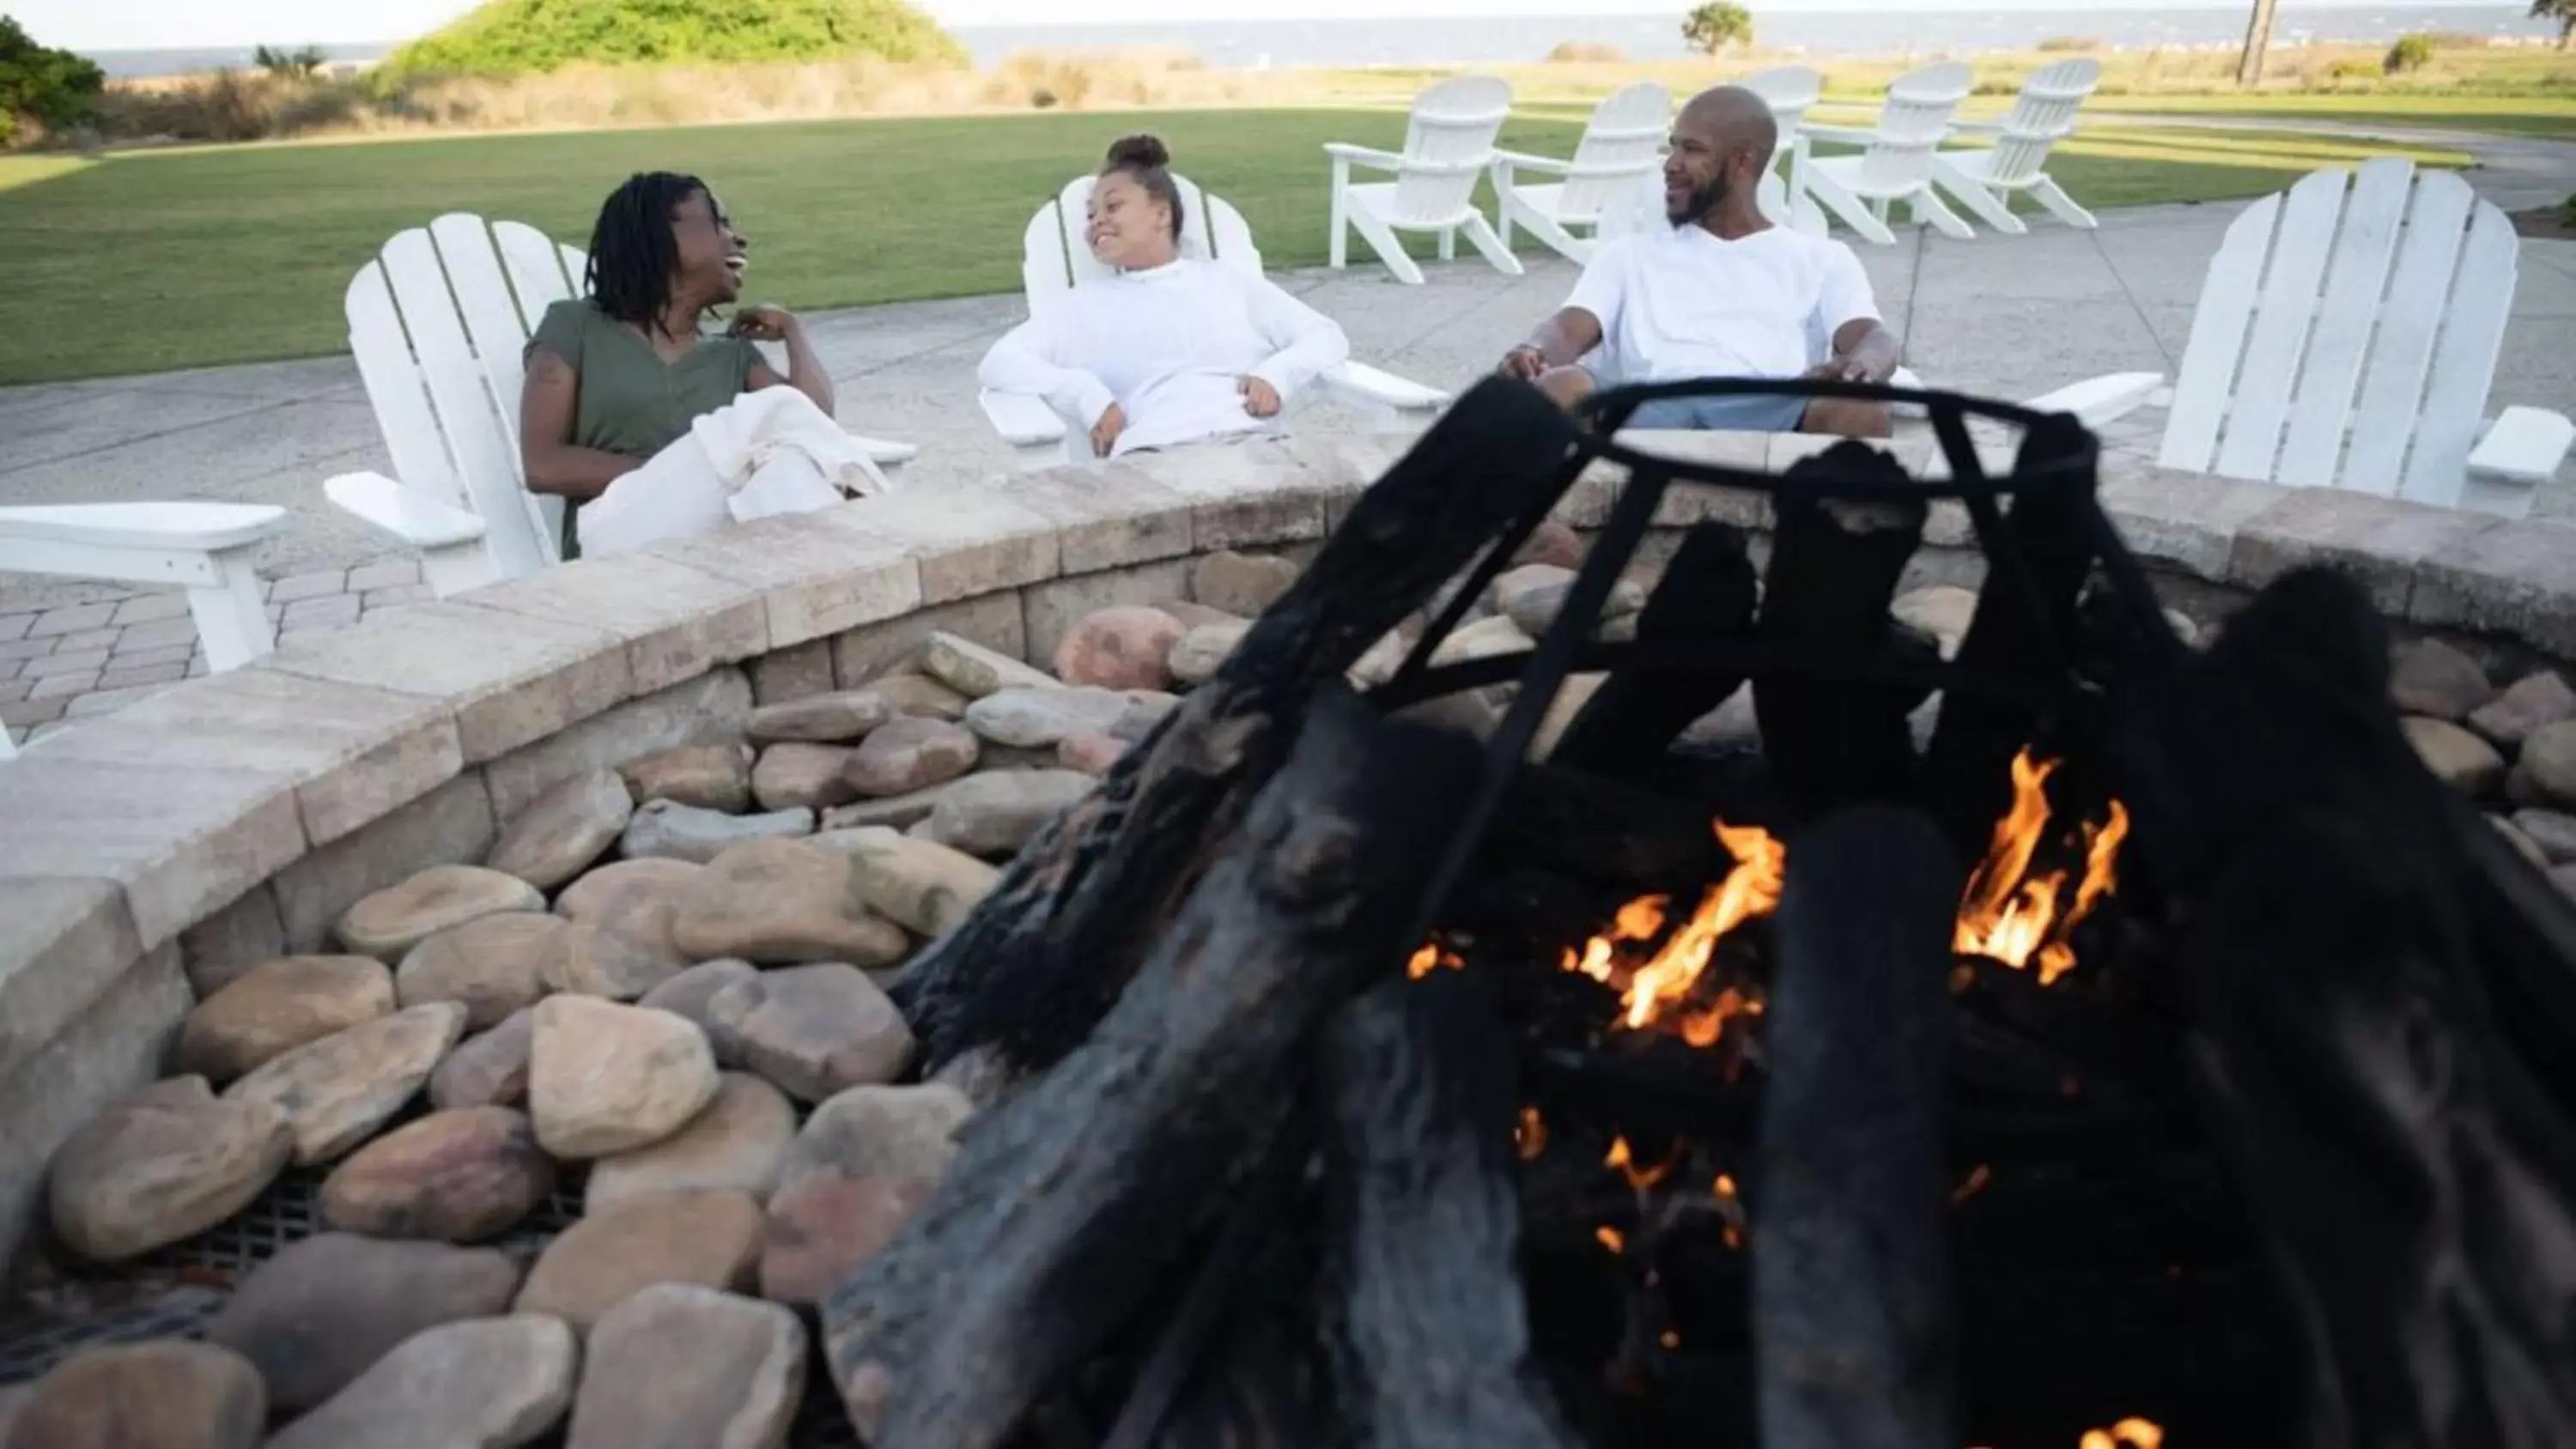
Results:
2538 115
154 260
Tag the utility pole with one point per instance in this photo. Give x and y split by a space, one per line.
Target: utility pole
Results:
2258 39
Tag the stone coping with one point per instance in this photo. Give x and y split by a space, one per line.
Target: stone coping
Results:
232 817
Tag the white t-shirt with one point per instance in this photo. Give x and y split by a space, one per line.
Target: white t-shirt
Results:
1678 302
1170 346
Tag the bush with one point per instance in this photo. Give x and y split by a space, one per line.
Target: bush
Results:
2567 210
52 89
232 105
519 37
2411 52
289 64
2353 68
2059 44
1584 52
1718 24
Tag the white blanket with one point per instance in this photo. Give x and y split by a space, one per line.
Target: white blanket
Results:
765 453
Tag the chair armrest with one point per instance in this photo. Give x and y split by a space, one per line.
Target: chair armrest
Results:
1022 420
1384 388
2523 445
423 523
1979 128
2099 400
1849 135
182 526
885 454
1522 161
1363 155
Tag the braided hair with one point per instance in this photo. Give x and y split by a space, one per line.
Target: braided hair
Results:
633 253
1146 159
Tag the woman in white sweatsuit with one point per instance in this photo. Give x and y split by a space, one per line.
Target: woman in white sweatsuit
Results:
1167 349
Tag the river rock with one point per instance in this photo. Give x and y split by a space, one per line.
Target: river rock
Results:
709 777
794 775
1532 607
1118 648
477 1383
492 965
1942 612
1379 662
564 829
605 1078
996 814
1145 710
312 1318
279 1004
161 1394
783 901
710 1238
2549 755
1551 543
921 885
688 993
2553 831
1481 640
887 1132
595 962
827 719
821 1230
1034 719
167 1162
910 755
2459 758
2529 704
392 921
2430 678
1196 654
682 1367
895 811
457 1176
1513 584
339 1089
633 899
740 1141
973 670
910 694
1092 754
2528 848
685 832
813 1030
1240 584
489 1070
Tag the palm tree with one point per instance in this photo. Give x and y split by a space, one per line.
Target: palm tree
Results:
1716 25
2562 11
2258 38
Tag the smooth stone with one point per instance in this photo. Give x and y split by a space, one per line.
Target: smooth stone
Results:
823 1229
2528 705
595 962
1378 664
1143 713
1942 612
1521 578
783 901
995 814
1551 543
1093 755
1562 711
1033 719
314 1317
1196 655
973 670
1483 639
740 1141
909 755
1534 608
2549 754
277 1005
1729 727
683 1367
918 696
605 1078
2553 831
685 832
2521 787
1121 647
1241 584
2528 848
161 1394
633 899
166 1163
1015 757
457 1176
1192 613
2428 677
2455 756
710 1238
489 1070
339 1089
822 719
392 921
492 965
813 1030
882 1132
477 1383
792 775
896 811
924 886
708 777
564 829
689 993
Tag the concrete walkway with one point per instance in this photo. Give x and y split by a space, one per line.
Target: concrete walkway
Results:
2001 316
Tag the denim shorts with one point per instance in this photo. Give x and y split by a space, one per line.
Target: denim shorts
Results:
1723 413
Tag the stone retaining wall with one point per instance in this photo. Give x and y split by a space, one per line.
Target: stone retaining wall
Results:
229 819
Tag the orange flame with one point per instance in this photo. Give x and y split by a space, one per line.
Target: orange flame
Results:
2130 1433
1431 957
1609 1238
2011 915
1664 981
1640 1178
1529 1135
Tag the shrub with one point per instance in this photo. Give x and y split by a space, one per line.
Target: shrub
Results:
2057 44
2353 68
289 64
2567 210
1584 52
517 37
1718 24
53 89
2410 53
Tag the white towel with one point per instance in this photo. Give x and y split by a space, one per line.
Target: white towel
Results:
765 453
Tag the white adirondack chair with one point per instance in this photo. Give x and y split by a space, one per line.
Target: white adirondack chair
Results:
438 332
1790 91
1896 161
2042 115
1447 145
202 547
2346 335
1623 140
1055 256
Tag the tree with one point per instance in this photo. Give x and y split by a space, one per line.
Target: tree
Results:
290 64
2258 39
520 37
1721 23
2562 11
53 88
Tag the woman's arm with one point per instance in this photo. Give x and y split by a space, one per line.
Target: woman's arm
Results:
1305 344
1035 358
805 371
547 457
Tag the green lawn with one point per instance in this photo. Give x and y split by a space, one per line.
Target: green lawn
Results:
157 260
2549 116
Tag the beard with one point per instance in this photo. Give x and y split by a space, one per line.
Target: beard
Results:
1702 200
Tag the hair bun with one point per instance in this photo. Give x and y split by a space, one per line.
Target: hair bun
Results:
1144 151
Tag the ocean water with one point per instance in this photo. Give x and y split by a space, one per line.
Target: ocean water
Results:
1261 44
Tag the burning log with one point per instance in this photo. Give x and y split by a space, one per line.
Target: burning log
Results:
1707 592
1851 1268
1040 960
1580 825
1429 1347
1069 1200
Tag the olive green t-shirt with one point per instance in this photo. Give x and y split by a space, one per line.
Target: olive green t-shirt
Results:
630 401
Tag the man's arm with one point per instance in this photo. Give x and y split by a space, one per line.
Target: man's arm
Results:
1864 351
1558 341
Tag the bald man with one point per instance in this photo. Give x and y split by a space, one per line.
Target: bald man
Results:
1722 293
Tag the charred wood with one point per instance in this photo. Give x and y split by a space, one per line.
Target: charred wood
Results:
1707 591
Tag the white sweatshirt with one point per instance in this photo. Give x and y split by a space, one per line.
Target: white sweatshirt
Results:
1170 347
